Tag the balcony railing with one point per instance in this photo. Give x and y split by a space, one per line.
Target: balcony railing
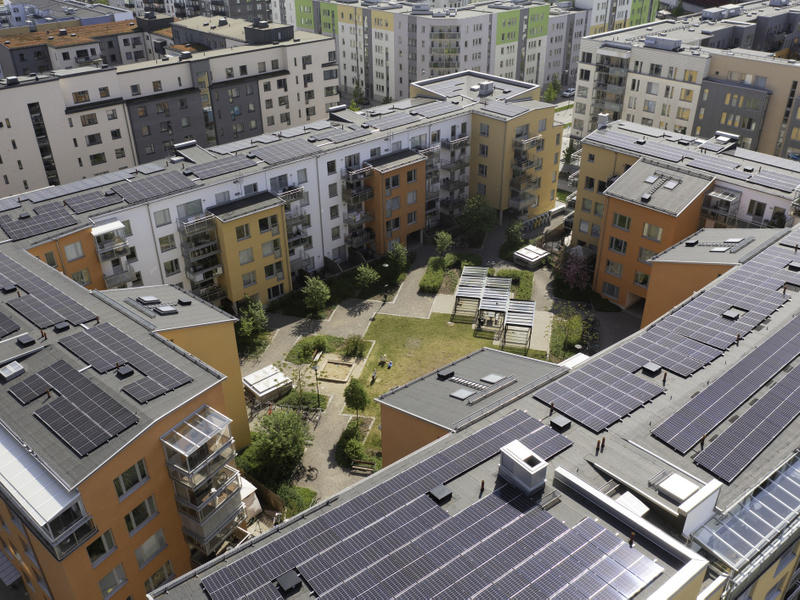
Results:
200 274
293 195
457 165
210 293
299 217
357 240
522 201
444 35
196 224
527 143
453 185
445 50
457 143
614 71
356 175
210 544
125 275
525 184
358 217
199 248
357 195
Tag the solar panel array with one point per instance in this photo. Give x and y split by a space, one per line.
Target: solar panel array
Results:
775 180
91 201
149 168
392 121
736 447
47 218
719 167
9 203
7 325
153 186
106 345
220 166
367 541
627 142
284 151
29 389
684 428
83 416
74 187
436 109
45 305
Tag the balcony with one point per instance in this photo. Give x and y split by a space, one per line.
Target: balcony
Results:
527 143
304 263
110 240
431 155
453 185
525 164
356 175
613 71
358 217
431 207
297 218
360 239
120 276
210 293
209 545
196 224
523 201
456 144
609 88
525 184
200 505
444 35
204 271
293 195
445 50
357 195
457 165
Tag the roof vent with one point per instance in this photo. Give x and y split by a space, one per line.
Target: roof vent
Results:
166 309
691 243
646 197
522 467
223 22
62 326
731 314
641 142
445 373
11 371
62 32
12 80
73 34
747 169
485 88
147 300
25 340
23 215
185 302
124 371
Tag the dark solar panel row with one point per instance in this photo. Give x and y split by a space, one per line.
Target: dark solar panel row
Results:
7 325
47 218
698 417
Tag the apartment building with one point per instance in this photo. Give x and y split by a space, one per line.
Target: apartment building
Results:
383 47
50 13
184 9
80 122
118 470
730 68
247 217
750 189
580 474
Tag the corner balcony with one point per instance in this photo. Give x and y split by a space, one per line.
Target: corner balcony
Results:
210 293
457 165
454 185
293 195
297 218
456 144
360 239
525 184
208 545
358 217
522 165
527 143
120 276
197 224
522 202
204 272
357 195
110 240
356 175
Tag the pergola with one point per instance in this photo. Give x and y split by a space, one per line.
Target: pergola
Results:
487 301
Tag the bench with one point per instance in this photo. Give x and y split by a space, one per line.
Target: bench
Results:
364 465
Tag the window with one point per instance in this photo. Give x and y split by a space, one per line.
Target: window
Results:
586 205
331 167
614 268
610 290
141 111
334 211
113 581
101 547
335 233
130 479
119 153
90 119
589 183
268 224
640 278
649 106
683 114
598 209
135 89
411 197
272 248
302 176
591 158
484 130
82 277
756 209
411 176
652 88
617 245
167 242
78 97
483 170
152 546
621 221
50 258
162 217
595 230
111 114
73 251
97 159
116 134
690 76
242 232
274 270
645 254
245 256
483 150
249 279
104 93
411 218
159 577
332 190
172 267
652 232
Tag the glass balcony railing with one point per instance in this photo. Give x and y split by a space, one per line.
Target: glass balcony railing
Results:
357 195
120 277
457 143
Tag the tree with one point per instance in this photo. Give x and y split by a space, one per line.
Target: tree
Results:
443 241
567 326
515 237
398 259
477 219
277 448
550 93
570 150
358 95
353 106
575 272
678 10
355 396
316 293
366 276
556 83
251 328
386 100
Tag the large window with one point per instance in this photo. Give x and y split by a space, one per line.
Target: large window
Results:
113 581
249 279
640 278
652 232
141 514
152 546
73 251
484 129
242 232
130 478
614 268
622 221
172 267
162 217
645 254
610 290
167 242
756 209
617 245
101 547
160 577
245 256
82 277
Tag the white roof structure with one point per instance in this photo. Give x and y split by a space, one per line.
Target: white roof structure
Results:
265 380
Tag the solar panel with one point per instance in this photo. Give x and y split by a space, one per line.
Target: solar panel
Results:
92 200
153 186
29 389
91 352
284 151
75 187
337 135
392 121
715 403
7 325
9 203
627 142
47 218
150 168
47 302
83 416
220 166
719 167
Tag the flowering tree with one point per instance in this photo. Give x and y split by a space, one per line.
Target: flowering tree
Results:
575 272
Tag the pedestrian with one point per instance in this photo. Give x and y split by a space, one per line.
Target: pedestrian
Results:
389 365
374 375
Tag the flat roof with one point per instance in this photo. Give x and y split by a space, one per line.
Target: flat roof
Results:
76 36
233 29
704 246
230 211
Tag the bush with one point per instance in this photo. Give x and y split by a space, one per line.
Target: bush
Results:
431 281
304 350
295 499
522 281
354 346
353 450
344 449
303 400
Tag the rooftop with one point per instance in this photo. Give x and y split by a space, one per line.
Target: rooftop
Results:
720 246
76 36
659 186
225 27
230 211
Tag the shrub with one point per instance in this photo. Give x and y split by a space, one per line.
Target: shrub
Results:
295 499
355 346
522 281
431 281
304 350
350 433
353 450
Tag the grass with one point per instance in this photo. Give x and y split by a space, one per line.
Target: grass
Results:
304 350
563 108
562 196
303 400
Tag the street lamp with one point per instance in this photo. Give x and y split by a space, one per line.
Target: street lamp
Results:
316 378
